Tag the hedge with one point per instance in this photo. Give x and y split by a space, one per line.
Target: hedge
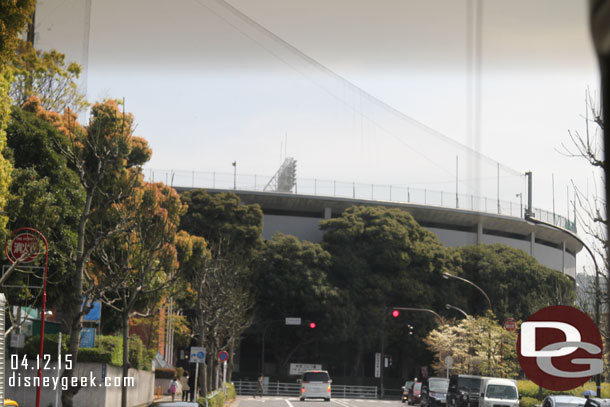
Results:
528 389
109 349
165 373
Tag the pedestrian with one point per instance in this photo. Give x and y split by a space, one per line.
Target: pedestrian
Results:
174 387
260 386
191 383
184 383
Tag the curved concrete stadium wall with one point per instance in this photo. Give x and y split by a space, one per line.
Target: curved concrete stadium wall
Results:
300 216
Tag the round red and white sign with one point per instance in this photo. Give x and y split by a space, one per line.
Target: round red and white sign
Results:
560 348
25 247
509 324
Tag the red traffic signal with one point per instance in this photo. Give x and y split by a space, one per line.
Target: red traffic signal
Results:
395 313
312 325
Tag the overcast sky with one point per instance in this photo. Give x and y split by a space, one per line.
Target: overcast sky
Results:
208 88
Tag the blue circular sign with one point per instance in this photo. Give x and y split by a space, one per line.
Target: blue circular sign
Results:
223 356
200 355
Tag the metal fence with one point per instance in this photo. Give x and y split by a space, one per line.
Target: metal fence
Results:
354 190
244 388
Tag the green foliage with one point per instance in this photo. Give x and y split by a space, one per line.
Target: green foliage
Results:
224 222
509 276
165 373
528 402
14 14
95 355
381 258
217 397
32 346
112 345
45 193
45 74
530 390
5 165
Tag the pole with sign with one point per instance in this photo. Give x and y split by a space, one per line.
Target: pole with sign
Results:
197 356
25 248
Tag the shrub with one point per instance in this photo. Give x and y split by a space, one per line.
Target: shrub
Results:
165 373
32 345
94 355
217 397
528 402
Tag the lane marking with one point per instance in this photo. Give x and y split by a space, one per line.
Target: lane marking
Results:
288 402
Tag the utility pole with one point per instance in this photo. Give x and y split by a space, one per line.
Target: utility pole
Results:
529 210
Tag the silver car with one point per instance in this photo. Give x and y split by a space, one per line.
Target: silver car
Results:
315 384
563 401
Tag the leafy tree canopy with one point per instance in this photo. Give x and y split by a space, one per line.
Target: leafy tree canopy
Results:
516 283
223 221
45 74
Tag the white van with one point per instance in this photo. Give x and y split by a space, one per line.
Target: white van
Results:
496 392
315 384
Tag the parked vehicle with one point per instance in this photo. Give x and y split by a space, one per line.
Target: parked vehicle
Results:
563 401
596 402
464 391
405 389
497 392
414 395
315 384
434 392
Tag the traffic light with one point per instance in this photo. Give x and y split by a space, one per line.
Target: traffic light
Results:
395 313
312 325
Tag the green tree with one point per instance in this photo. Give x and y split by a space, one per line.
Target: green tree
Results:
224 285
107 159
46 75
292 281
222 220
45 194
516 282
139 263
381 258
14 14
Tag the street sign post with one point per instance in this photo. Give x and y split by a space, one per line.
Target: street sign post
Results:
197 356
448 363
293 321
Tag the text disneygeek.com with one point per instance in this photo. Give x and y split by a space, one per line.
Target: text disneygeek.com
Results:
19 381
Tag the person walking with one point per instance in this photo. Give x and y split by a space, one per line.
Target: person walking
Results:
184 384
260 386
174 386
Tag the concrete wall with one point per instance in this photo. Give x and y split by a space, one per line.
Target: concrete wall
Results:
302 227
98 396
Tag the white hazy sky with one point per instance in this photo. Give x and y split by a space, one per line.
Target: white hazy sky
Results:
208 89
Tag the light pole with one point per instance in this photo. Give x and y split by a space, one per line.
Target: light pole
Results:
234 175
449 306
447 276
530 218
520 195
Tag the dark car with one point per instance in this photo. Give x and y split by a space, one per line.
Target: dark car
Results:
434 392
414 395
464 391
405 389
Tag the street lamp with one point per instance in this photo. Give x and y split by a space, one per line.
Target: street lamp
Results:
520 195
449 306
530 218
447 276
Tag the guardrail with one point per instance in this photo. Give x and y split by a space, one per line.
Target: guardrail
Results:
354 190
245 388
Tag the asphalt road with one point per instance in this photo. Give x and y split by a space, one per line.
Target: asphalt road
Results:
245 401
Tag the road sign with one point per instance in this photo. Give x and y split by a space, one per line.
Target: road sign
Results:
293 321
298 368
26 245
509 324
223 356
197 354
448 361
377 364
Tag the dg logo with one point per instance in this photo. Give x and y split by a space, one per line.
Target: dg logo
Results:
560 348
